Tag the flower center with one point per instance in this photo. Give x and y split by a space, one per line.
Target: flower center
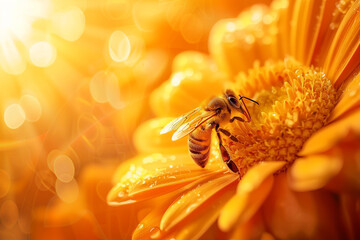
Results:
295 101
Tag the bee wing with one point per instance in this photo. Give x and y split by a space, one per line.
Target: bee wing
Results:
188 127
177 122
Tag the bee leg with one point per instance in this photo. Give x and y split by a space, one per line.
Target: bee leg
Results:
238 119
224 153
228 134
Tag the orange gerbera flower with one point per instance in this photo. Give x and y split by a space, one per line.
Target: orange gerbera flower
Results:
298 158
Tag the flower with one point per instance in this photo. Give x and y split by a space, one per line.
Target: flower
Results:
298 158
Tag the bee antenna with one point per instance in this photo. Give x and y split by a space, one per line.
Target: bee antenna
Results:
241 97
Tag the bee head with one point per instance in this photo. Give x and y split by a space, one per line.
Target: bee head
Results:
216 104
238 104
232 100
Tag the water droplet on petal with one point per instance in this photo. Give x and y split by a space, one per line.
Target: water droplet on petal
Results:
155 232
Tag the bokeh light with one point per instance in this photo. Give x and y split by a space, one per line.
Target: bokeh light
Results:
119 46
67 191
104 87
64 168
42 54
14 116
69 24
31 106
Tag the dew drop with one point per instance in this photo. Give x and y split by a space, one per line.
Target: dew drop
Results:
352 93
155 233
191 208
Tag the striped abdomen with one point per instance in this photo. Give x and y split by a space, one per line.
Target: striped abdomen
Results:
199 145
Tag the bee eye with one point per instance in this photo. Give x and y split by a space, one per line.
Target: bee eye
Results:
234 102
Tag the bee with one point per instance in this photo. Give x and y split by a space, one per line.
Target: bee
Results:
199 123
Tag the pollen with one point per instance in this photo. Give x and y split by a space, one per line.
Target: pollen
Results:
295 101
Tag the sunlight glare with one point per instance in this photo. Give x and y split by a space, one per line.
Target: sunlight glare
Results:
16 26
11 60
17 16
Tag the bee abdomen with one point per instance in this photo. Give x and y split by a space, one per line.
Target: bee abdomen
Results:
200 158
199 146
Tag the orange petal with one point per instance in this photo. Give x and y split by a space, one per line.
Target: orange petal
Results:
201 219
348 149
190 228
191 200
307 16
237 43
342 52
300 215
267 236
193 60
313 172
94 184
187 88
148 227
243 206
257 174
251 229
349 101
328 136
156 175
348 215
147 138
284 9
330 19
251 192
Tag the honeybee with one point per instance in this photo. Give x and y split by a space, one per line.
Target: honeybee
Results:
200 122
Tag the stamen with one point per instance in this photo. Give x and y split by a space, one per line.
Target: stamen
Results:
294 102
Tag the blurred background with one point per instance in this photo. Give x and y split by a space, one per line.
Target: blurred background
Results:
75 79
